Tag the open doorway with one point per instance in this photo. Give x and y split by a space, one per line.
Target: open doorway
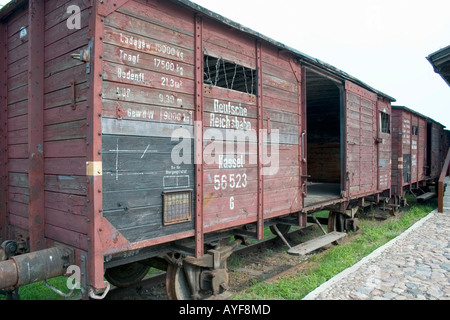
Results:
325 128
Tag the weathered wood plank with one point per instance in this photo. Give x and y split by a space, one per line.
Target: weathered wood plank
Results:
142 128
75 239
139 77
144 223
68 203
315 244
142 60
75 185
145 112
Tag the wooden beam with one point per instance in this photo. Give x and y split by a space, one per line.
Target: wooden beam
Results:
106 7
260 203
95 266
199 238
36 124
3 133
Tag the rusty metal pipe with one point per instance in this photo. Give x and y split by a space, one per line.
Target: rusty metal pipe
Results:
35 266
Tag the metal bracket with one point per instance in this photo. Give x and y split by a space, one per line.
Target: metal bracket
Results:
85 56
74 95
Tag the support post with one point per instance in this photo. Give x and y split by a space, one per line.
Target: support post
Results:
260 212
199 239
36 124
94 257
3 133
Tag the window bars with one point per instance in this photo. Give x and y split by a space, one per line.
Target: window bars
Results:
229 75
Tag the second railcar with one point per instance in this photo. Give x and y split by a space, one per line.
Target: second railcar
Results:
409 150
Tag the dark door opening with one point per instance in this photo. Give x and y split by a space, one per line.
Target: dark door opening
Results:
325 152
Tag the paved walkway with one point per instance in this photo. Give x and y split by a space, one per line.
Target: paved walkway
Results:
413 266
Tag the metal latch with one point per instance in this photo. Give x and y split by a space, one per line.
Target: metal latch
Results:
85 56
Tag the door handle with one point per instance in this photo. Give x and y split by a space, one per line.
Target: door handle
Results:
303 147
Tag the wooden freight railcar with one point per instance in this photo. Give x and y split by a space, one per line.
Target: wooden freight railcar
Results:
143 133
418 145
446 140
409 150
435 149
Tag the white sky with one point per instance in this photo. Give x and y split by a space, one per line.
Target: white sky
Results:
381 42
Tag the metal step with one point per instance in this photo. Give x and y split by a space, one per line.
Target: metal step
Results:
426 196
315 244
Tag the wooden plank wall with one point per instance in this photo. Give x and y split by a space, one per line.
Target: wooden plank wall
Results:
230 193
362 131
65 144
148 93
437 154
421 149
4 134
397 153
282 98
383 148
149 70
409 154
226 204
17 101
64 125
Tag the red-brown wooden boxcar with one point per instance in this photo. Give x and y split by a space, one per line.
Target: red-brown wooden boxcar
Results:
417 150
409 149
446 141
133 130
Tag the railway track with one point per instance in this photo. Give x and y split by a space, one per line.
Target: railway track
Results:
261 261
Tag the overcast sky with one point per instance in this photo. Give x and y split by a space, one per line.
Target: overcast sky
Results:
381 42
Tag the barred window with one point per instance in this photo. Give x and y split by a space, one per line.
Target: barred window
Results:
385 122
229 75
177 206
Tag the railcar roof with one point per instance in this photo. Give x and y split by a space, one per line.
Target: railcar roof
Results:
417 114
302 57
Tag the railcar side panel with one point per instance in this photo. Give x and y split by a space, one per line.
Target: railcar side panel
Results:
17 123
148 121
383 145
282 106
230 120
65 130
45 134
434 148
367 142
410 144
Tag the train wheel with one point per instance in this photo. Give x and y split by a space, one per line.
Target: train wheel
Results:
126 275
283 228
336 222
177 285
